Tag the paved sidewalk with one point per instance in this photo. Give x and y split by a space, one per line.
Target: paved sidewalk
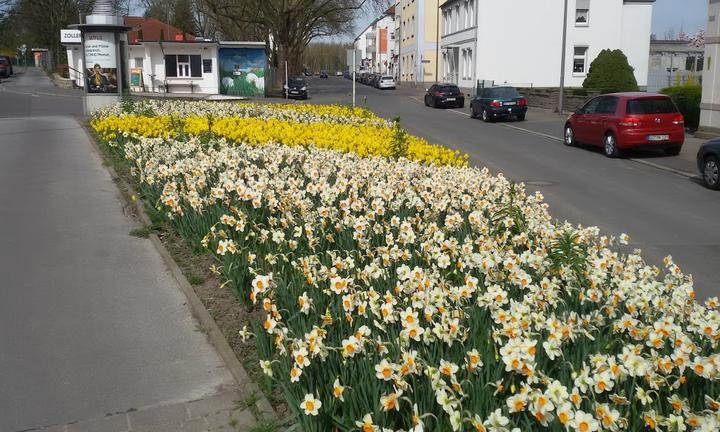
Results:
95 334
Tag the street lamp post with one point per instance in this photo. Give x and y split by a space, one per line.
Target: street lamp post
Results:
561 102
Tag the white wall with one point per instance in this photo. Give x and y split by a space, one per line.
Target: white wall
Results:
636 28
74 56
154 64
710 102
525 50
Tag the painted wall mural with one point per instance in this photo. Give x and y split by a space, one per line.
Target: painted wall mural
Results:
242 71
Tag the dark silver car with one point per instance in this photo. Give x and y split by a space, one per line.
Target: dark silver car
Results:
708 160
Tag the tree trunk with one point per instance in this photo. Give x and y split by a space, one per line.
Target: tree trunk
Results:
292 54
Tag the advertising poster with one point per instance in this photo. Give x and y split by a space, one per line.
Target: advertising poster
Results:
100 63
242 71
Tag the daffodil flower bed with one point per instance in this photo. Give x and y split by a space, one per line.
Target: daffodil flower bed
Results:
331 127
404 296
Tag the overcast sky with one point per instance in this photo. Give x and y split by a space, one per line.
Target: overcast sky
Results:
690 15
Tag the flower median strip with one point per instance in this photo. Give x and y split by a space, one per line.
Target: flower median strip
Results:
408 295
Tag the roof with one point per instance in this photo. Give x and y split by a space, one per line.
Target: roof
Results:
151 30
635 94
679 46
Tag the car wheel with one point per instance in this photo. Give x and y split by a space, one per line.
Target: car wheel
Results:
485 116
711 172
673 151
426 102
610 146
521 117
569 136
473 115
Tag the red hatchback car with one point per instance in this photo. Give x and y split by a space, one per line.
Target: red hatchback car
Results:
621 121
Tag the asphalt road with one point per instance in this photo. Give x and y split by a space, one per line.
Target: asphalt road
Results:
91 321
663 213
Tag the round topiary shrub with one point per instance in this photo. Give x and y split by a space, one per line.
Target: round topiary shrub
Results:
610 72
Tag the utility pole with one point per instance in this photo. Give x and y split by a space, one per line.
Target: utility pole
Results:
561 102
437 42
354 54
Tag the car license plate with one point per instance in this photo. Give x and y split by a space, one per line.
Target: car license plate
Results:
510 103
658 137
293 92
450 99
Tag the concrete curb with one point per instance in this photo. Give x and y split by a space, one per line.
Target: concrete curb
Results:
262 408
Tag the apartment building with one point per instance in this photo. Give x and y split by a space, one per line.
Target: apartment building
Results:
377 44
518 42
710 100
418 34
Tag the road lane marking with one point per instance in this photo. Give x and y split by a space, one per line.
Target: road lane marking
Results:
544 135
640 161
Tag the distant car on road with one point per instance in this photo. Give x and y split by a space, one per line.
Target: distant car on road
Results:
494 103
621 121
296 88
373 80
440 95
323 74
708 160
347 75
386 82
5 67
338 73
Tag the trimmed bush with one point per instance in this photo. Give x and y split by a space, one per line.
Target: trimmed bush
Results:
687 98
610 72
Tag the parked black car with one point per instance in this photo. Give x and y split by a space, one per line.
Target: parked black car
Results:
296 88
498 102
347 75
374 79
440 95
9 63
323 74
708 160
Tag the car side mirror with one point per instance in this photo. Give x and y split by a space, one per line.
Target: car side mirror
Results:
578 111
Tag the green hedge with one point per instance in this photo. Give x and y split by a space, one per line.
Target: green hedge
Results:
687 98
610 72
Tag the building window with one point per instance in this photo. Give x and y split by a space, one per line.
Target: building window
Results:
582 13
470 64
471 10
138 62
183 66
580 60
467 15
457 17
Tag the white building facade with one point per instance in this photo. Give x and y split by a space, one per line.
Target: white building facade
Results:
418 41
193 68
710 102
377 44
518 42
674 62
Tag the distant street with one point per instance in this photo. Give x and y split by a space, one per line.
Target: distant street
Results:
662 212
33 94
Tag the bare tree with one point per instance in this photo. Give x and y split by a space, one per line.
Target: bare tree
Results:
289 24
